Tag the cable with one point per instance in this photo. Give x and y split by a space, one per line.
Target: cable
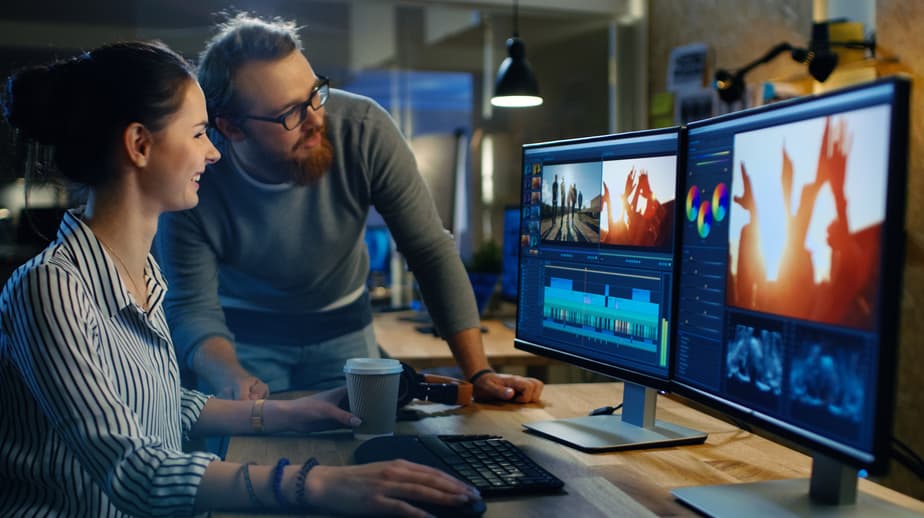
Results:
907 450
605 410
907 457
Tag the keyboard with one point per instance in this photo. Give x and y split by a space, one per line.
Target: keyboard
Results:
495 466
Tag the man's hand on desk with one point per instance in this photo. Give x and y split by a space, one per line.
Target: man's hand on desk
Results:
507 387
244 386
216 362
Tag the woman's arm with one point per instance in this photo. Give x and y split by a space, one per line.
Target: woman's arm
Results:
381 488
306 414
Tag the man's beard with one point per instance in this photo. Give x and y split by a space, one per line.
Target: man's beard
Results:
310 165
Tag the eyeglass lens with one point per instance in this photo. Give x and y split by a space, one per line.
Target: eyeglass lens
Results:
316 100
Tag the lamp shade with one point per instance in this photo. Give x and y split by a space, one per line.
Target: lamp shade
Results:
516 84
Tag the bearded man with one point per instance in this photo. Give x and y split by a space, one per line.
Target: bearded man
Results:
267 274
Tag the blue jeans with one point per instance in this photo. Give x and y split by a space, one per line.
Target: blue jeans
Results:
314 366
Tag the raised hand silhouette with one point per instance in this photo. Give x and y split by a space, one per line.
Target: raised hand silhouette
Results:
746 200
786 181
748 286
643 186
832 161
630 183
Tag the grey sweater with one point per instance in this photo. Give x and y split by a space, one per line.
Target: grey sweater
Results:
296 249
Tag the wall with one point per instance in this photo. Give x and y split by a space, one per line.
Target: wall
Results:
898 33
735 32
738 32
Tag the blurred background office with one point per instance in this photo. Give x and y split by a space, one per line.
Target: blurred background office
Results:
601 67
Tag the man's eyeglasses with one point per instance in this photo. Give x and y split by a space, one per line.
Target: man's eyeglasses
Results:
295 116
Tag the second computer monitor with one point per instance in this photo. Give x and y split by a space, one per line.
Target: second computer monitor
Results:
790 277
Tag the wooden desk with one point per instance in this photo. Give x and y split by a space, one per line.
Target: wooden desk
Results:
630 483
400 340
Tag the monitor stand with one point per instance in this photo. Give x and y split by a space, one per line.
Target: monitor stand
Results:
832 491
635 428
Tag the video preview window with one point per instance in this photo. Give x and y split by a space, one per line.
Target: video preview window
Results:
806 218
571 202
627 202
638 202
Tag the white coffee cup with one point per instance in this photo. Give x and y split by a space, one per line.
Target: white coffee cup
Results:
372 386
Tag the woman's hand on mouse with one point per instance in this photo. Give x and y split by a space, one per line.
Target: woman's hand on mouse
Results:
384 488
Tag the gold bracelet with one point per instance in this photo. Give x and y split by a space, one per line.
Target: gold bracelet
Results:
256 416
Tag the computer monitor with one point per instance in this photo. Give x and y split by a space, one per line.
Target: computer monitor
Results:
378 245
596 275
510 260
789 287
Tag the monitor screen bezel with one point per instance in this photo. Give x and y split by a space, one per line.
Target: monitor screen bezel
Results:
607 369
892 245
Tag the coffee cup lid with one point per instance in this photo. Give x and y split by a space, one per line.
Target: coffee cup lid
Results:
372 366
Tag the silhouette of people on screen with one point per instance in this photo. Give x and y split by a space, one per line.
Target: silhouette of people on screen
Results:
640 221
554 197
846 295
562 187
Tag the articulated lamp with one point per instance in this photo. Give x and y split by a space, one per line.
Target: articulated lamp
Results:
819 57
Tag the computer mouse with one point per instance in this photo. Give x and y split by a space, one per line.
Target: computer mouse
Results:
467 509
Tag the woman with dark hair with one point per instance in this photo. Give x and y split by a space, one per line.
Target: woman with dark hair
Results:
93 410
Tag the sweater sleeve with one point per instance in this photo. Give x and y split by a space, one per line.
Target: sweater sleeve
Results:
54 335
191 267
400 195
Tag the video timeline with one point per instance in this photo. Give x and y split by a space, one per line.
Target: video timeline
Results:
603 307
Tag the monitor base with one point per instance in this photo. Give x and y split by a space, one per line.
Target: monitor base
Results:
778 498
599 433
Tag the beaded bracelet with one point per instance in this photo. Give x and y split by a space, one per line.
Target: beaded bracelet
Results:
479 374
245 469
277 482
300 481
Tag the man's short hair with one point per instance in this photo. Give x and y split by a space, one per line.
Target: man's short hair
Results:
239 40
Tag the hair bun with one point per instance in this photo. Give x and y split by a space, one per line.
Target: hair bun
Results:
36 102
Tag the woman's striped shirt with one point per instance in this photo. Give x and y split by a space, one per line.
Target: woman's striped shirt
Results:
92 410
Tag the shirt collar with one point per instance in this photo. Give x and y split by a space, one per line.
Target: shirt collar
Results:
106 286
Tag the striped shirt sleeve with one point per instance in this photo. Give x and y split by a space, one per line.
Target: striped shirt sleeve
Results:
56 345
191 403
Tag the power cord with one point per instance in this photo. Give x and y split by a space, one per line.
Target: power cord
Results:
605 410
907 457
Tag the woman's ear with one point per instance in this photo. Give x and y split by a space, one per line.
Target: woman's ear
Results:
137 142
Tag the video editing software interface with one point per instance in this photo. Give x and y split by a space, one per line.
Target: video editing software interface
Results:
596 249
780 288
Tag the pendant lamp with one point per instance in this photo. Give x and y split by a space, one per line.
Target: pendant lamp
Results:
516 85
